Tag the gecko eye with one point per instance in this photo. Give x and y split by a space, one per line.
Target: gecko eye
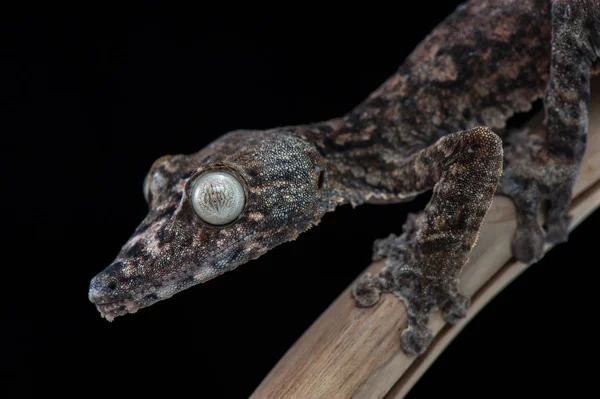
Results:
218 197
146 189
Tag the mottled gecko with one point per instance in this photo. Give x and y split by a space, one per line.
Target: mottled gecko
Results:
439 123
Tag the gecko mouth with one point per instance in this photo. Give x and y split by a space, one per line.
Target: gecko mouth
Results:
112 303
111 310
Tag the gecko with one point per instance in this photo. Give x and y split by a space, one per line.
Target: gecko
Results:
438 124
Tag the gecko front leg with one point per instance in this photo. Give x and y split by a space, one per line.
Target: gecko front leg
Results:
540 170
423 264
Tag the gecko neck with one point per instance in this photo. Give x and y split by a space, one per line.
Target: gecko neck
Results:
362 148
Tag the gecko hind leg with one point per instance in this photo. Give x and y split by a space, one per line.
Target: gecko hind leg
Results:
423 263
544 170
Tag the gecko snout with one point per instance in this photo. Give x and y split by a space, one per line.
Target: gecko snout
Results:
111 295
103 288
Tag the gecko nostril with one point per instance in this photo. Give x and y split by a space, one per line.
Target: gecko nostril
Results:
102 288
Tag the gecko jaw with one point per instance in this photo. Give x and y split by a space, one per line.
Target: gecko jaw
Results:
112 310
112 303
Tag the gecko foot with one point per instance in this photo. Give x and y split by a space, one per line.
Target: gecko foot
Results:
422 295
407 278
536 181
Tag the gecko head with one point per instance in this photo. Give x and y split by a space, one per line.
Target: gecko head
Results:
212 211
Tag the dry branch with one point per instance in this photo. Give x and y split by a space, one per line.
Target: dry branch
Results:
351 352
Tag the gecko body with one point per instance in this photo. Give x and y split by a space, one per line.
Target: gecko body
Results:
438 123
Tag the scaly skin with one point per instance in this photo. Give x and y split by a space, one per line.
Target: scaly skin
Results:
429 126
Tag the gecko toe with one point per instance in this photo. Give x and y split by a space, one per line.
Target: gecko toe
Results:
383 246
558 221
456 308
528 243
559 232
394 246
416 339
366 291
531 235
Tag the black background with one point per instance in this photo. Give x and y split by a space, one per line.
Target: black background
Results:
100 92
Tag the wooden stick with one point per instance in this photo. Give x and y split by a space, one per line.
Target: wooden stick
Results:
354 352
